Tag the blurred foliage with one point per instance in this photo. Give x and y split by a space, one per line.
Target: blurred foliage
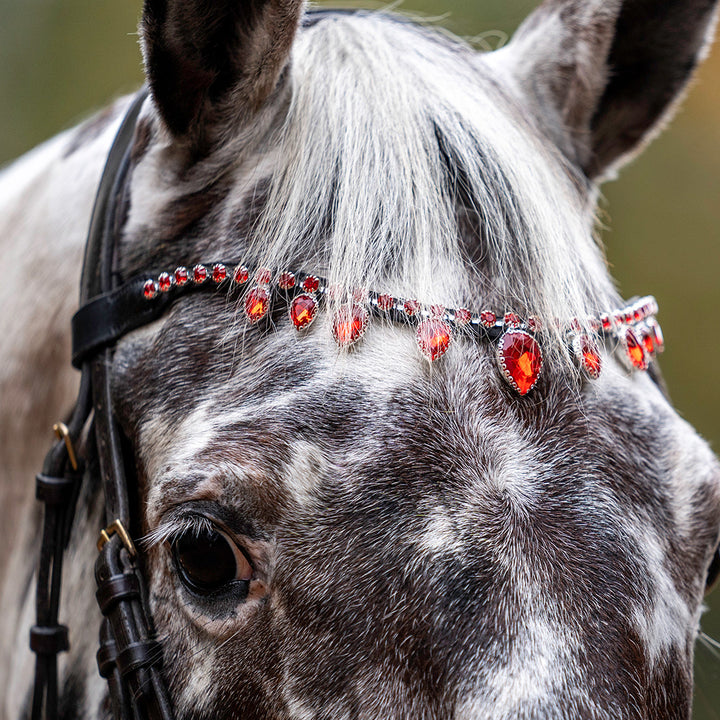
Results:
60 59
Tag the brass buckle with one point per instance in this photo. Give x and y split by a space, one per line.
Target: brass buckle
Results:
62 433
117 528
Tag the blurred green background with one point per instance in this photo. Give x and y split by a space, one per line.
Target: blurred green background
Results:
60 59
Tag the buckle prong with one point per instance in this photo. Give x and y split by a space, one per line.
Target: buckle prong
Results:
117 528
62 433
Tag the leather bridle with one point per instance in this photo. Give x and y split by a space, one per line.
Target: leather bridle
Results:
130 658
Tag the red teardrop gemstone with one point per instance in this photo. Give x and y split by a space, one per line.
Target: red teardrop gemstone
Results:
150 289
165 281
520 360
635 350
433 337
310 283
257 302
219 273
385 302
658 339
647 341
463 316
263 276
349 324
199 274
181 276
588 355
303 309
240 275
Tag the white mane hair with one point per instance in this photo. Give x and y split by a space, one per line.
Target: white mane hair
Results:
390 127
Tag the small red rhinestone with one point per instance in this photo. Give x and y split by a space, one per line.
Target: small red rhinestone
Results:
360 295
199 274
310 283
181 275
588 355
150 289
240 275
286 281
575 325
349 324
165 281
219 273
511 319
463 316
635 350
488 318
437 311
385 302
411 307
606 322
433 337
637 314
263 276
520 359
629 317
303 309
533 323
257 302
618 318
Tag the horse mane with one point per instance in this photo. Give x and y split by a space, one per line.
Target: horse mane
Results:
421 178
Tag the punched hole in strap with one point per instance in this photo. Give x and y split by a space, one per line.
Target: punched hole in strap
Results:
115 589
49 640
138 655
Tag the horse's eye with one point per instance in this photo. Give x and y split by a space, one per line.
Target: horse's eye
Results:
713 571
208 561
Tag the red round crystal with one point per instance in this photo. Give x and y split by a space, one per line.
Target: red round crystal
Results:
303 309
181 275
257 302
433 337
150 289
165 281
488 318
520 360
219 272
511 319
286 281
635 350
606 322
240 275
349 324
263 276
588 355
411 307
463 316
310 283
199 274
385 302
437 311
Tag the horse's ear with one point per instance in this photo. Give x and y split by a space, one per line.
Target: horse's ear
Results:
210 62
605 73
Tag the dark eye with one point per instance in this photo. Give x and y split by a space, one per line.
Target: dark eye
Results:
209 562
713 571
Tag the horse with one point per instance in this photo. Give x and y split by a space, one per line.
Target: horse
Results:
395 446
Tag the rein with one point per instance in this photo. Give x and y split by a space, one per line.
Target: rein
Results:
130 658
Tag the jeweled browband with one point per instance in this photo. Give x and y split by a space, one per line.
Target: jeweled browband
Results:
518 351
519 356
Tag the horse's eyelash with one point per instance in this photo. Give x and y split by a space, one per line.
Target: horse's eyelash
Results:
172 528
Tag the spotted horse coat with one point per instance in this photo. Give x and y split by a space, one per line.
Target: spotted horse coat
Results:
359 533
